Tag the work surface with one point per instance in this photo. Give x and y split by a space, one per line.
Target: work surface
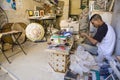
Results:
9 33
54 49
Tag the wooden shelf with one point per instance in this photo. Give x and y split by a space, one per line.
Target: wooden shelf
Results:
39 1
59 15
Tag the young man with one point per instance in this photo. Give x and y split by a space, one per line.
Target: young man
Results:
103 41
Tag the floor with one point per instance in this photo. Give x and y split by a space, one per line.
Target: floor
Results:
33 66
4 75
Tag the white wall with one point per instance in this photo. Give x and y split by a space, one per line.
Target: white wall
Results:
20 15
75 7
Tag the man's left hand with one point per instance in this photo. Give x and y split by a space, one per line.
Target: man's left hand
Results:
84 35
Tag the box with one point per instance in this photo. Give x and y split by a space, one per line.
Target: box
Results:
42 13
59 62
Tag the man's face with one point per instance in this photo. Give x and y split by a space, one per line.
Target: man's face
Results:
95 23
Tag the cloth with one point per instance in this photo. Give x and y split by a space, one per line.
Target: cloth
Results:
106 46
101 32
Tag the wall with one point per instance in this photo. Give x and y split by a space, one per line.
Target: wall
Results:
20 15
116 25
75 7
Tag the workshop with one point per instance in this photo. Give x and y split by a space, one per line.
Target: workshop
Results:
59 40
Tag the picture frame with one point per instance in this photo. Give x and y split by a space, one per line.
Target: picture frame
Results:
36 13
30 13
111 5
84 4
42 13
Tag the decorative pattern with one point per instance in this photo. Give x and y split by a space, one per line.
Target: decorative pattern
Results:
84 4
104 5
35 32
59 62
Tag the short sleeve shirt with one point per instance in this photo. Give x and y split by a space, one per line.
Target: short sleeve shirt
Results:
101 32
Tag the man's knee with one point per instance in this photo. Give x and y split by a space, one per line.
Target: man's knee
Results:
86 46
91 49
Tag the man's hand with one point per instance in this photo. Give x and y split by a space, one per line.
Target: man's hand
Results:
93 41
83 34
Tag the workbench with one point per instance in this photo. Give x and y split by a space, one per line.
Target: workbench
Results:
59 56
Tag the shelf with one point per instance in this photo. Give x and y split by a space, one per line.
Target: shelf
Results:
59 15
39 1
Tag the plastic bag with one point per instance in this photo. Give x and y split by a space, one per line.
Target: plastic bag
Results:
81 61
79 50
76 68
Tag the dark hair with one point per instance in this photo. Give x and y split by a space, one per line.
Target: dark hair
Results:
96 17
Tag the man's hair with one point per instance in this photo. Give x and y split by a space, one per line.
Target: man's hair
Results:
96 17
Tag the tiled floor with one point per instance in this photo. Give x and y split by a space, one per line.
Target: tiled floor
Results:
33 66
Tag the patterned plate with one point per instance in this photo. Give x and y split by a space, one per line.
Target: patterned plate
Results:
35 32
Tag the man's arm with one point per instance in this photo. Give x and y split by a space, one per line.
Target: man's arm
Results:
92 40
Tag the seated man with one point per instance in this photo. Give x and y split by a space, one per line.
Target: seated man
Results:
104 40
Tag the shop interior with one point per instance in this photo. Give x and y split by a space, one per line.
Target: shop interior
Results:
46 40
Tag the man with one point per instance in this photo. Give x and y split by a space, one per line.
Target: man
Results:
104 40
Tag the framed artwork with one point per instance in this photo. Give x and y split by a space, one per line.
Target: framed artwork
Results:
42 13
84 4
13 5
8 4
38 0
30 12
36 13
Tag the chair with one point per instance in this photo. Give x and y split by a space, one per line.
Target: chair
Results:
10 33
